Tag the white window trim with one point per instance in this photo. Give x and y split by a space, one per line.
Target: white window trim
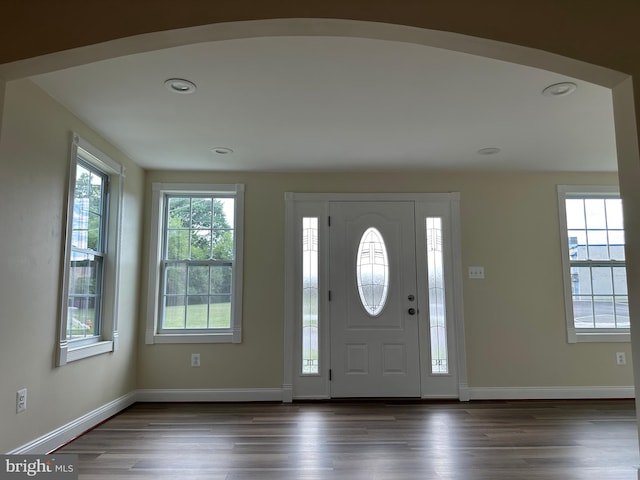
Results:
574 336
152 335
66 351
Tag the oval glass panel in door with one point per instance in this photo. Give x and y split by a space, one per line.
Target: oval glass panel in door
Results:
372 271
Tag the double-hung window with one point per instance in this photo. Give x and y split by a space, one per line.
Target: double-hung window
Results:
595 282
195 286
88 324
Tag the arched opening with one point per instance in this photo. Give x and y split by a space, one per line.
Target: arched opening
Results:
620 84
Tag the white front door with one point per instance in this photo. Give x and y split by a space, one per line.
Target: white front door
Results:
375 348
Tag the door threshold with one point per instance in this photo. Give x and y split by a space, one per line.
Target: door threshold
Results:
386 400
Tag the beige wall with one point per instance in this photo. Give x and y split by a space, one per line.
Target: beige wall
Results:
34 165
515 326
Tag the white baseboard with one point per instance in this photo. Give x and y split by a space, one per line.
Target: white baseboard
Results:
549 393
64 434
211 395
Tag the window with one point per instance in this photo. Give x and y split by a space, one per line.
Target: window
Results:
196 264
88 324
437 304
372 272
310 295
594 264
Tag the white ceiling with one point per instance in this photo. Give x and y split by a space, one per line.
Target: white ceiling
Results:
310 103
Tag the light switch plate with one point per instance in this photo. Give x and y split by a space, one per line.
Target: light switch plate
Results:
476 272
21 400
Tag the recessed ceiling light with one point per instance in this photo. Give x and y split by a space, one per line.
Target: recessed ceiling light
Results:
222 150
561 89
180 85
489 151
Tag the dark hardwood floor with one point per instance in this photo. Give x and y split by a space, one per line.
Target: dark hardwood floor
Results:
377 440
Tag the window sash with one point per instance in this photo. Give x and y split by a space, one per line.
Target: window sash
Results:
94 321
104 206
186 296
162 328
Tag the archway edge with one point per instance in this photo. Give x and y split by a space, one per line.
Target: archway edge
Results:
313 27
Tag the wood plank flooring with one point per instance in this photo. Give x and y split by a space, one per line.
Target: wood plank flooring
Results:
370 440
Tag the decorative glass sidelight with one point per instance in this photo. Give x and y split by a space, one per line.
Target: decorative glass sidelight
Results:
437 306
310 295
372 272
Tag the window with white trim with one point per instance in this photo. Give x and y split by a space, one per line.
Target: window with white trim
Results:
595 282
196 264
88 321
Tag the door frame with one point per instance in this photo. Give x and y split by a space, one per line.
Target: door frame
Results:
298 205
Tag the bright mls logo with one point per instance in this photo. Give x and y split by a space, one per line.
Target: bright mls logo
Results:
52 467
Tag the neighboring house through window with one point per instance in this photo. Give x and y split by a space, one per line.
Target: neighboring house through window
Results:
195 287
592 231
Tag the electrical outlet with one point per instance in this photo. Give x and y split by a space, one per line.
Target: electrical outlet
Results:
621 358
195 359
21 400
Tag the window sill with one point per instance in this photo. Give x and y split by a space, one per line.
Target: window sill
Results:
194 338
601 338
87 351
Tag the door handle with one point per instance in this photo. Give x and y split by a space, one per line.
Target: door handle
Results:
412 311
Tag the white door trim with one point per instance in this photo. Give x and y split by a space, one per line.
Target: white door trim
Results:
298 386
